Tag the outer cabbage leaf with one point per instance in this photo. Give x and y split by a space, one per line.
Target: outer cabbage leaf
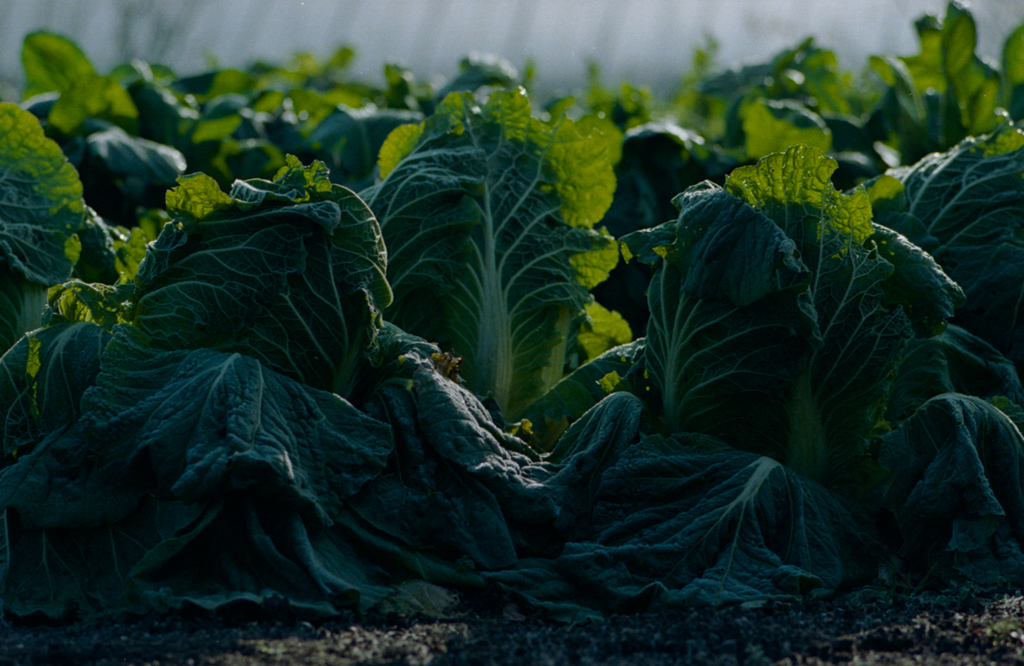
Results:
460 478
775 320
487 214
41 208
550 415
290 272
247 468
42 379
121 173
470 492
968 201
685 522
954 361
956 469
208 422
69 573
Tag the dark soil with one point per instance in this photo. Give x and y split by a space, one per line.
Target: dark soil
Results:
867 627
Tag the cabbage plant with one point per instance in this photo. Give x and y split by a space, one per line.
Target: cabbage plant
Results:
41 208
488 216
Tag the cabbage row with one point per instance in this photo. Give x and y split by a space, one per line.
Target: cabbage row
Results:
277 337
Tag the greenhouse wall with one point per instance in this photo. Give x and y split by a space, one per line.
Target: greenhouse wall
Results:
649 42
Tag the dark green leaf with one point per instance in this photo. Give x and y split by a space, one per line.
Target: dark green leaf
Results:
956 468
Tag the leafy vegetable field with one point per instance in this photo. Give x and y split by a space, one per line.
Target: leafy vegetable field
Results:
279 337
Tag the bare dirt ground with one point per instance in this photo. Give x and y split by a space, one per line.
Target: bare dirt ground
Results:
872 626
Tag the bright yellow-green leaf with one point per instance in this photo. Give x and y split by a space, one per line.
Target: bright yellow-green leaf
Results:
796 185
216 129
926 67
592 267
93 97
602 330
129 253
41 201
399 143
52 63
594 123
609 381
33 362
771 130
73 248
197 195
1013 57
883 189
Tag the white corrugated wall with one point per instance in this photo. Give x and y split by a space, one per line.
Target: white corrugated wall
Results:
649 42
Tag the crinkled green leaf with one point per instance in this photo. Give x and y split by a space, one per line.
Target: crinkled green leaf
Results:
794 190
602 330
917 283
208 422
968 200
462 481
956 468
487 220
198 196
95 303
42 379
954 361
565 402
686 522
290 272
41 202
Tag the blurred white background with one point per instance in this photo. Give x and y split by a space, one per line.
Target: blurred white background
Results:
648 42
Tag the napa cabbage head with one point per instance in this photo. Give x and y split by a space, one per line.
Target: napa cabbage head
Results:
288 271
779 312
488 215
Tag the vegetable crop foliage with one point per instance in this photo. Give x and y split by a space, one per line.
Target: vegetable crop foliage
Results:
278 336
